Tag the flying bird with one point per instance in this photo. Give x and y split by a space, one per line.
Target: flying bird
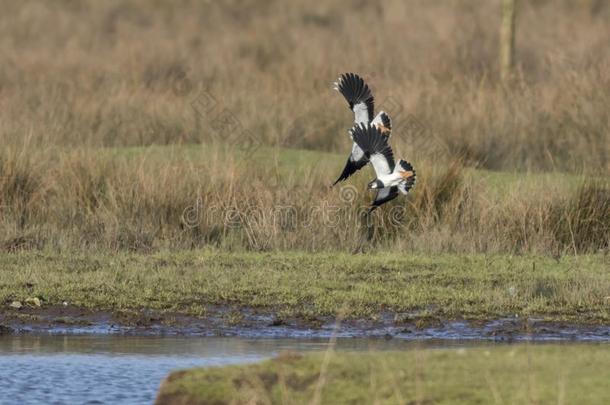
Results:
392 177
362 103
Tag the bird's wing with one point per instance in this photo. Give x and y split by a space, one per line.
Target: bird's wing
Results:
383 196
384 123
355 162
375 146
358 95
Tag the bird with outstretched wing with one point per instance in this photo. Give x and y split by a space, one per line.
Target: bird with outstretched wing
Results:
392 177
362 103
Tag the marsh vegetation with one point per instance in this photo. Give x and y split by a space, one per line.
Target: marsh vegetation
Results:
161 160
244 124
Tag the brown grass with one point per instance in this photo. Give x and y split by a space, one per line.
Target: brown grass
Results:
87 199
122 73
584 220
77 76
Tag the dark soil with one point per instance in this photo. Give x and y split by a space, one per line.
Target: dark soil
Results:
224 321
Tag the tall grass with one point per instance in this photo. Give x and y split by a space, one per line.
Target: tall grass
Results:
87 199
80 76
86 73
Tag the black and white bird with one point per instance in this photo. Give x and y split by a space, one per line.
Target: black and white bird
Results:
362 103
392 177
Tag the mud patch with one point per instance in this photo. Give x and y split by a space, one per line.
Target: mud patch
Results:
223 321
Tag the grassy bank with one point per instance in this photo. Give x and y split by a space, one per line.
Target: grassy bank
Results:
539 374
312 286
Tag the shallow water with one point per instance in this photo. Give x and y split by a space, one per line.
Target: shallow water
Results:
89 369
261 327
94 369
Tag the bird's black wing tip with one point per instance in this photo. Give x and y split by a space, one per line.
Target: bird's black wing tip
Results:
349 169
354 88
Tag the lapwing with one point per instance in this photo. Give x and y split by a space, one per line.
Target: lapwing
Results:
392 177
362 103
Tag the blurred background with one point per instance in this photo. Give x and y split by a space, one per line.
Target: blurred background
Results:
81 77
122 73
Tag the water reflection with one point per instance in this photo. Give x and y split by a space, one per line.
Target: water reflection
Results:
114 345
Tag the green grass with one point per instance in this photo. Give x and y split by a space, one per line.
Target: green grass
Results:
534 374
299 161
287 158
310 285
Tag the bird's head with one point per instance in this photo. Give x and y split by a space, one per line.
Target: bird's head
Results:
375 184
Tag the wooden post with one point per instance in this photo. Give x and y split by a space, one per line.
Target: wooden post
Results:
507 39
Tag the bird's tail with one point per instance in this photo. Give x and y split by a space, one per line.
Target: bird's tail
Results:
408 174
383 122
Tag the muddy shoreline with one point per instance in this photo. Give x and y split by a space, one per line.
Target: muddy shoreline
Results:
222 321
